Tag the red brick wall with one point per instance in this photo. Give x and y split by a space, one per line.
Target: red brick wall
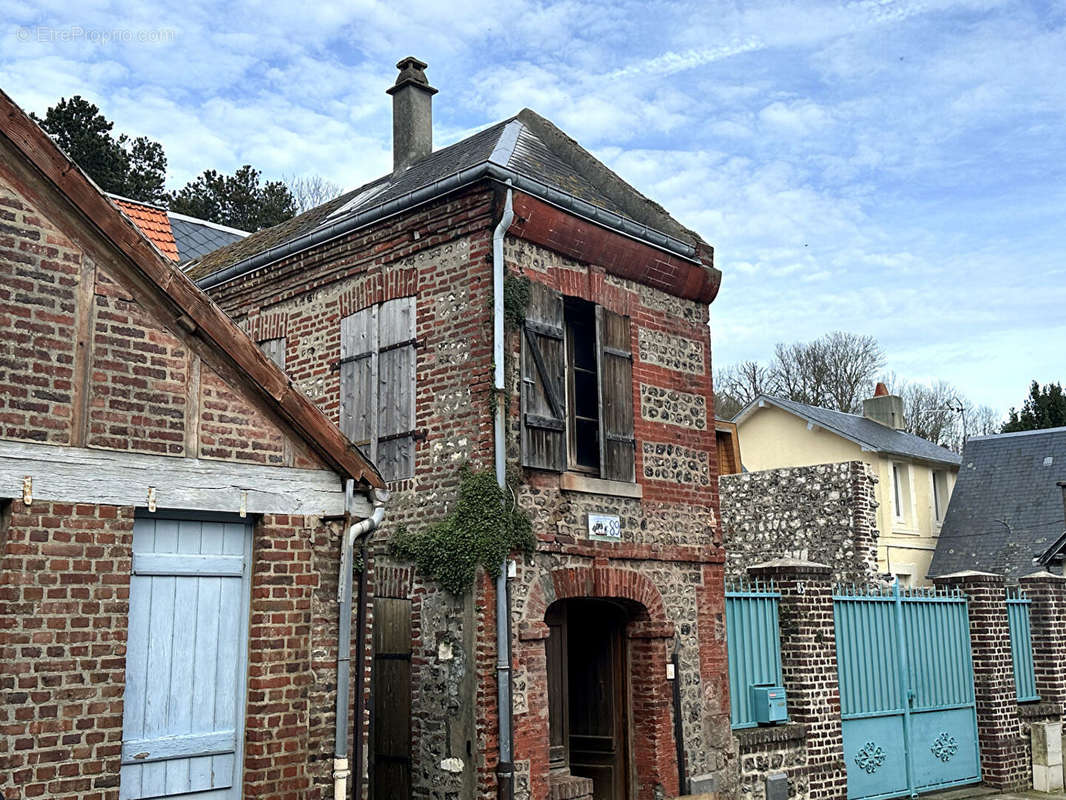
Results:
64 599
138 379
39 271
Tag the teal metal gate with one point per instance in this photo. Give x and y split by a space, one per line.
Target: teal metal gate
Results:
906 690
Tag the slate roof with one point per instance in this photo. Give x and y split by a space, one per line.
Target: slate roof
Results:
1006 508
198 237
526 144
865 432
153 222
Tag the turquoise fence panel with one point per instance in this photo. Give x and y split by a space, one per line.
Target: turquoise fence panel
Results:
754 642
1021 646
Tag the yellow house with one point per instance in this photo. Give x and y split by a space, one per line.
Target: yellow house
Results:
915 476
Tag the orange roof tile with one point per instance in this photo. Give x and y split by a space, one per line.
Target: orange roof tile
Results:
153 223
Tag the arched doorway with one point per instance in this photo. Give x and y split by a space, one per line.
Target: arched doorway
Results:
588 692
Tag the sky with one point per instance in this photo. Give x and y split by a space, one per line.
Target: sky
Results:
888 168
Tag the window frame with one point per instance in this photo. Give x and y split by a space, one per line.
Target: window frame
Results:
570 398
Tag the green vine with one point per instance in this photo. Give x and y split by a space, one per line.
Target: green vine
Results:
516 294
483 529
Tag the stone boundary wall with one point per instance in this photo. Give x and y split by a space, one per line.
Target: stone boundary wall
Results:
825 513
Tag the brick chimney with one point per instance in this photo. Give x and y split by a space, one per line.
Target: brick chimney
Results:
884 408
412 114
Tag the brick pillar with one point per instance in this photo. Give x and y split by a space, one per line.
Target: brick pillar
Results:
652 707
809 665
1047 619
1004 755
531 727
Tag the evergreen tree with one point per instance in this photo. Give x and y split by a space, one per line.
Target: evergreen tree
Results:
133 168
236 200
1044 408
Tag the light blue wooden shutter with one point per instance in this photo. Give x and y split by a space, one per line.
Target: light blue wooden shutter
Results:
186 660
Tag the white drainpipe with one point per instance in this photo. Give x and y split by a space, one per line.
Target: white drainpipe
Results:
505 768
359 532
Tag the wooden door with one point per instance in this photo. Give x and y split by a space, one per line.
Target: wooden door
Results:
186 659
597 692
391 735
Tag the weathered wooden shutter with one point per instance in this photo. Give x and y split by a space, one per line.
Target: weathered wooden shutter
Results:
378 384
390 764
396 389
617 445
359 370
543 381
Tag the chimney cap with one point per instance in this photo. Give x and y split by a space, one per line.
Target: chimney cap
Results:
880 390
412 71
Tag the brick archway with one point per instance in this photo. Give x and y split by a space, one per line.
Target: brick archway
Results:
649 633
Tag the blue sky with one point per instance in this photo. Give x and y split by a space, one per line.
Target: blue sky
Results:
891 168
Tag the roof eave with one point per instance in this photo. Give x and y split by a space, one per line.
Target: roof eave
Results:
458 180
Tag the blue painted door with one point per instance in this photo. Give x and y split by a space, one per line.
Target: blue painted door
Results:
186 659
906 692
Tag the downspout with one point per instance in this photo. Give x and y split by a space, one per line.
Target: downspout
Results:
359 532
505 766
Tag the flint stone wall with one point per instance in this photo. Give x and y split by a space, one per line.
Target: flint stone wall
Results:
825 513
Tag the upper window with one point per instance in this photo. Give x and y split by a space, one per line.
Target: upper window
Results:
901 491
577 388
940 494
274 349
377 369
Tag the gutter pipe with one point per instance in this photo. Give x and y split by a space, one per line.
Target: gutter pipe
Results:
456 180
505 765
359 532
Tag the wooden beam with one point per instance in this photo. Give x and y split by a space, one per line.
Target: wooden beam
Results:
109 477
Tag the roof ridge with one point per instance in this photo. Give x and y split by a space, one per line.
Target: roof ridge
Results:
985 437
207 222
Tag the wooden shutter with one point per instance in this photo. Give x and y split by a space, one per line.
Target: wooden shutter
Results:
617 445
390 747
543 374
359 368
396 389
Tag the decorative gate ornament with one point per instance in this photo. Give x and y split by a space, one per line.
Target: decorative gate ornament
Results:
945 747
870 758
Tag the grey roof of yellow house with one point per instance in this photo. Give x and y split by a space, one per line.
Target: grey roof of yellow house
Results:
1006 512
526 149
864 432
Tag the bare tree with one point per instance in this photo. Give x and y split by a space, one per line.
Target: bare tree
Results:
934 412
834 371
311 191
737 385
982 421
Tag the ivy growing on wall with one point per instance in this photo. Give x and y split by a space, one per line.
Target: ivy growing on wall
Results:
483 529
515 300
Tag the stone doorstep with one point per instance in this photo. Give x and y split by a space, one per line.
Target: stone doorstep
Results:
569 787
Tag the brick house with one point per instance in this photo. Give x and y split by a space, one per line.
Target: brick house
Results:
387 307
173 514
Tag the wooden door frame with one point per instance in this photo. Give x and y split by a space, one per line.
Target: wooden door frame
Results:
622 683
